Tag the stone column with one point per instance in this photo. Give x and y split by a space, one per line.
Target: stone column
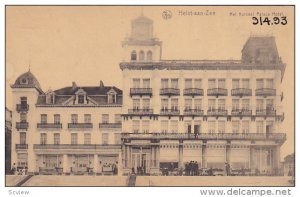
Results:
31 162
96 162
120 167
66 168
227 152
204 164
180 155
276 159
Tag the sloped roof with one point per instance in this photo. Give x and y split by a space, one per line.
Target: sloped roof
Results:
27 80
90 90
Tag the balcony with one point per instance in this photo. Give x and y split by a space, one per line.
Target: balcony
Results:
217 92
193 92
205 136
76 146
265 92
49 125
140 112
22 125
217 112
169 92
110 125
241 92
241 112
265 112
22 108
141 92
193 112
169 112
80 125
21 146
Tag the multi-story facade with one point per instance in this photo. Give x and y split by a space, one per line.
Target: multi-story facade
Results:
8 116
213 112
73 130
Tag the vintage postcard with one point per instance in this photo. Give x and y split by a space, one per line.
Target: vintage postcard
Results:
150 96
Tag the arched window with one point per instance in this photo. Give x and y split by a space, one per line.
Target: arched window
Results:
149 56
133 55
142 56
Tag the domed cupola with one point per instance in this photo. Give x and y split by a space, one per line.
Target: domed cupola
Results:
142 28
27 80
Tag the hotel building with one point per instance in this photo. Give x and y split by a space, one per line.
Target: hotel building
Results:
208 111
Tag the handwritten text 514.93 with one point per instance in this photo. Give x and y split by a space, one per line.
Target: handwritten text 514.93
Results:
269 21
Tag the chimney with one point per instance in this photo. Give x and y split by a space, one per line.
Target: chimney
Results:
101 84
74 86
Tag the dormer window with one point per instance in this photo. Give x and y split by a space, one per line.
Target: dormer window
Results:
80 99
23 81
133 56
50 98
112 98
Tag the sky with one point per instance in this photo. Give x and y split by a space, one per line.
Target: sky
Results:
62 44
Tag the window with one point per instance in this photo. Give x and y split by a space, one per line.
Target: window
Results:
211 104
260 126
188 83
118 118
105 138
105 118
259 83
146 83
246 83
56 138
270 126
22 138
235 127
133 56
211 127
43 138
136 126
174 126
198 104
117 137
164 104
136 83
142 56
188 126
81 99
198 83
235 104
221 104
221 127
136 104
149 56
87 118
74 118
174 83
269 104
74 138
174 104
221 83
23 102
245 104
211 83
164 83
259 104
187 104
245 126
23 117
22 159
146 104
56 118
164 126
87 138
269 83
235 83
145 126
112 98
44 118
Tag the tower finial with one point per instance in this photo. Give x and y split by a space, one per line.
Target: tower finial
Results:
29 65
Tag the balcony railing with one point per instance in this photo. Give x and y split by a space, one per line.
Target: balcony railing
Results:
110 125
169 92
217 92
217 112
241 92
143 112
241 112
22 108
265 92
76 146
49 125
22 125
169 112
21 146
80 125
193 92
206 136
265 112
193 112
141 91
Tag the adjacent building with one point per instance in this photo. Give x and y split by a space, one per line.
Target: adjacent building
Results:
8 117
213 112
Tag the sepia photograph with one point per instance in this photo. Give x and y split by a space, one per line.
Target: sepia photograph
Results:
149 96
